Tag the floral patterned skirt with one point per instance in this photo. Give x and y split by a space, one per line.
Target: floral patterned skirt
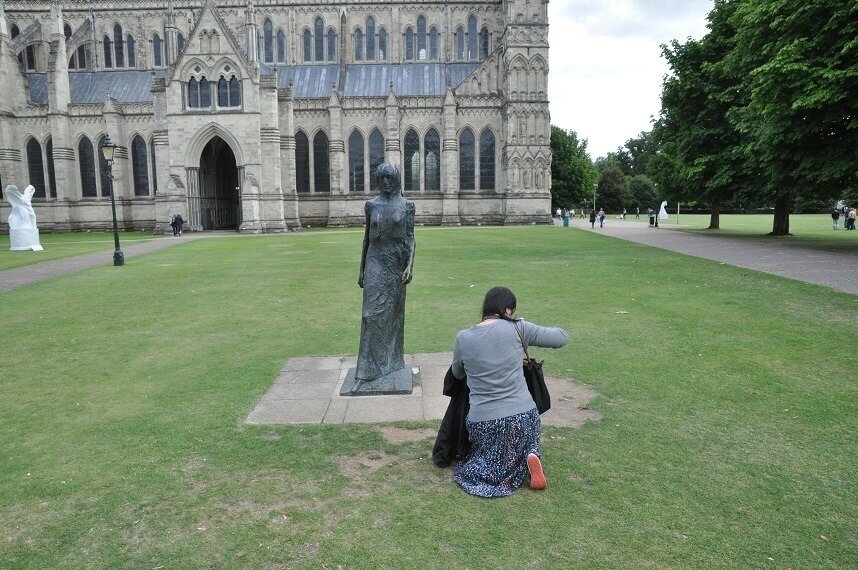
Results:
497 463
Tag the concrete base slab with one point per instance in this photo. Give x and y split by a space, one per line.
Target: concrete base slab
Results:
308 391
399 382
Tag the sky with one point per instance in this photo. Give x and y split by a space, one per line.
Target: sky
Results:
605 68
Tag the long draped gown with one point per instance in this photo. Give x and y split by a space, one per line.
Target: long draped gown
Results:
390 239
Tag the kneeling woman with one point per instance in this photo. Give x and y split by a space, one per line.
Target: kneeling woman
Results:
503 424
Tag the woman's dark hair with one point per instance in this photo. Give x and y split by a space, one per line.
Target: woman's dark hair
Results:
497 300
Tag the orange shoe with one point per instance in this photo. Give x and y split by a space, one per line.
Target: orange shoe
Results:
537 476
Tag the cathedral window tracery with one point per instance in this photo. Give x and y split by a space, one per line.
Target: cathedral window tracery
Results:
487 160
376 152
268 41
35 167
370 38
307 39
319 37
302 163
281 46
411 172
332 45
86 163
157 51
139 166
356 162
321 163
466 160
432 153
358 41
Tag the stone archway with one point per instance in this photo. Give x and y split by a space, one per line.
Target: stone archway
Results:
219 188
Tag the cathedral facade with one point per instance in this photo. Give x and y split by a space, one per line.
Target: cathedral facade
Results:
268 116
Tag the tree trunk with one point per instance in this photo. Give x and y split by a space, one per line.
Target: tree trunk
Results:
715 215
783 205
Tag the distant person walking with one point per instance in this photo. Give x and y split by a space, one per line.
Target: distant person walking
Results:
835 219
593 219
624 213
850 219
601 217
638 213
177 224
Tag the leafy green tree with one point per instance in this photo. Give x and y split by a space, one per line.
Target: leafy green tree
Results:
798 70
642 190
612 192
572 172
698 156
635 155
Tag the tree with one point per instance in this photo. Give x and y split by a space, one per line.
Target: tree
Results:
612 192
642 189
635 155
796 61
572 172
698 157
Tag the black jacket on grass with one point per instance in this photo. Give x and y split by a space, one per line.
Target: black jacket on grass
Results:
452 441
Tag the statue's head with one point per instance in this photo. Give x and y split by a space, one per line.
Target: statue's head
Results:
387 179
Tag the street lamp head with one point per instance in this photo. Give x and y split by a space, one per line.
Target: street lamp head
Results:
108 149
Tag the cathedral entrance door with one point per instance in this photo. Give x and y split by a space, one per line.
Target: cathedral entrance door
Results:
220 194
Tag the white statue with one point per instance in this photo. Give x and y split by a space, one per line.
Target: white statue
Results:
662 214
23 232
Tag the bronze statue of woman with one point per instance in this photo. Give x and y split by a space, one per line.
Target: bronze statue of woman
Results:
385 270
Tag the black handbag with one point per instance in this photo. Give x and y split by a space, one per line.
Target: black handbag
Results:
534 378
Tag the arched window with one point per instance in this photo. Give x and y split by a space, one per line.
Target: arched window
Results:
433 43
485 43
332 45
157 50
382 45
409 44
108 52
129 45
268 40
358 45
104 171
412 162
421 37
308 45
139 166
222 92
302 163
376 154
205 93
86 161
67 31
466 160
319 36
193 93
487 160
180 44
52 175
460 43
14 31
472 37
234 92
281 47
321 163
432 152
35 167
118 46
356 162
154 170
78 59
370 38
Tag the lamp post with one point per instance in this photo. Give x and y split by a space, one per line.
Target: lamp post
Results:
595 185
108 151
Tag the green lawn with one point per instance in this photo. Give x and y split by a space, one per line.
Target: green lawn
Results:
728 437
808 230
58 246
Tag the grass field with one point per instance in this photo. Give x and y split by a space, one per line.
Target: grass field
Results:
808 230
58 246
728 396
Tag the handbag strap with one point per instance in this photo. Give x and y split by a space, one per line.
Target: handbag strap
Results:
523 342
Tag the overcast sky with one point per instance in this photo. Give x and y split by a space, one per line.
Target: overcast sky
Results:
606 68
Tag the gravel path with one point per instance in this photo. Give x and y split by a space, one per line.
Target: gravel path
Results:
836 270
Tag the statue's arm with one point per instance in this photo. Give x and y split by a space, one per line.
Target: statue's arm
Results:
367 213
409 222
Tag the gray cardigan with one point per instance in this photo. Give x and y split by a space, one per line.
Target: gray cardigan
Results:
491 356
